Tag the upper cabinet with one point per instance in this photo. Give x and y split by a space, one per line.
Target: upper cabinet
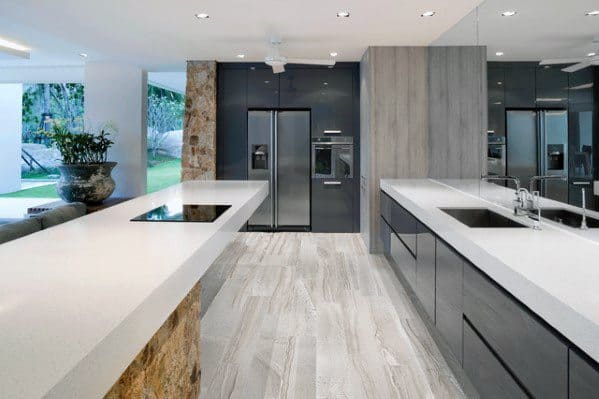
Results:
262 88
496 92
551 86
520 85
329 92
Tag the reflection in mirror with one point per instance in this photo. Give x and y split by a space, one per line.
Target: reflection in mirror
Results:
543 94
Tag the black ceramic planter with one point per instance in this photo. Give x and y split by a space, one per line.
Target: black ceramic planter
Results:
88 183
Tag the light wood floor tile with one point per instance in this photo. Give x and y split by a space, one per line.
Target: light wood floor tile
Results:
303 315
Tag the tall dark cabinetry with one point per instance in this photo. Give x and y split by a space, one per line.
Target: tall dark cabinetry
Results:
331 95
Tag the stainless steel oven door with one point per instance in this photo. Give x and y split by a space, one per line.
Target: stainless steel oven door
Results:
332 161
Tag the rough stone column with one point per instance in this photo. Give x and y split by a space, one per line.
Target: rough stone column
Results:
199 123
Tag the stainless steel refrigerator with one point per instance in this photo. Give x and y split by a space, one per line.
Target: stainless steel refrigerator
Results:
279 151
537 143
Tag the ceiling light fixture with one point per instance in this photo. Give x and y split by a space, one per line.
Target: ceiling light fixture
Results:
12 45
202 16
343 14
333 54
83 55
592 13
499 53
509 13
591 54
428 14
14 49
240 55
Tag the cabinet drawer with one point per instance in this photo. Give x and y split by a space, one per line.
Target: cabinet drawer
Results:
448 296
332 206
425 269
584 377
405 263
385 234
530 350
405 226
386 203
489 377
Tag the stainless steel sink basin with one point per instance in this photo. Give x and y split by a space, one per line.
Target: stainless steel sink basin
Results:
567 217
481 218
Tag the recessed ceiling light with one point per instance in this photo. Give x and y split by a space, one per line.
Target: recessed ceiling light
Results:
12 45
591 54
343 14
333 54
83 55
499 53
509 13
202 16
592 13
240 55
428 14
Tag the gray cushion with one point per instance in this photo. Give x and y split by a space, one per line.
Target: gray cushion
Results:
12 231
61 214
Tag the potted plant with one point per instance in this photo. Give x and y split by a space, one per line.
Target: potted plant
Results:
85 170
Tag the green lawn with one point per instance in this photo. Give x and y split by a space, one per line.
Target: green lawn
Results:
162 173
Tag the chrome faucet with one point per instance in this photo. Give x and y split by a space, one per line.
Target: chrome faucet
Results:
522 194
583 223
535 179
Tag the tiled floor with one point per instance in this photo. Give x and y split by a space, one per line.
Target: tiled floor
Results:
315 316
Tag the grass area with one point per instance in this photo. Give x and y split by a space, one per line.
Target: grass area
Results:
52 173
47 191
162 172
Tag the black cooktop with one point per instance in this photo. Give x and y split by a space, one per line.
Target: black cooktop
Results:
183 213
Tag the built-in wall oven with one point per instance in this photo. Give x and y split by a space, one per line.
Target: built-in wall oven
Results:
333 157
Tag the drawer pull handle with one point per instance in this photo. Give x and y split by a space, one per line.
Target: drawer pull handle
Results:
332 183
332 132
581 183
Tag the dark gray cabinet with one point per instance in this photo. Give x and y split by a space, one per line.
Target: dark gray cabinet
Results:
496 94
405 225
520 85
386 204
448 301
231 126
385 233
531 351
425 269
332 205
263 88
404 260
551 86
487 374
584 377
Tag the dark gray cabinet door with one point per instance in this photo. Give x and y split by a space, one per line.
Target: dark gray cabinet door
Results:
532 352
386 203
332 205
405 263
496 93
263 88
231 127
448 301
584 377
385 233
405 225
552 86
489 377
425 269
520 85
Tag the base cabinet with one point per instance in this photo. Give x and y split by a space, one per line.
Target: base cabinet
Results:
448 318
405 263
425 269
584 377
335 199
486 372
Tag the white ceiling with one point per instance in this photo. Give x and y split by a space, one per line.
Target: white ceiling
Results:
541 29
160 35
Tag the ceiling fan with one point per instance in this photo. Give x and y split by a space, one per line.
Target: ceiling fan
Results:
579 63
275 60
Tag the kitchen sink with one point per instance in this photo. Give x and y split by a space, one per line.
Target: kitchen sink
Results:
481 218
567 217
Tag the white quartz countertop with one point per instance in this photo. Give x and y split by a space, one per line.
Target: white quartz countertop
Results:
554 271
78 301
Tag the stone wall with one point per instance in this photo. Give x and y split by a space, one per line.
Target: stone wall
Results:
199 123
169 365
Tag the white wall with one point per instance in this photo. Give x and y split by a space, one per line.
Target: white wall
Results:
11 109
117 94
59 74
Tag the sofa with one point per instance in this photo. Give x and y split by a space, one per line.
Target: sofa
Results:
41 221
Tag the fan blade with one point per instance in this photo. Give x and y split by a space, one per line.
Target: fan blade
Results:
307 61
278 68
578 67
561 61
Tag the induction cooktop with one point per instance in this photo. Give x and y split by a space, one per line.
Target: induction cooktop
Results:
183 213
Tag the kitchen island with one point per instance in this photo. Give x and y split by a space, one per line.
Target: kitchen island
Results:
79 302
518 308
